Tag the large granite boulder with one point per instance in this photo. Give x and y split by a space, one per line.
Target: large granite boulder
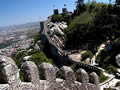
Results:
117 59
27 58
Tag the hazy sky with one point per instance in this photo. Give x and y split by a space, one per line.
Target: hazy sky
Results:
22 11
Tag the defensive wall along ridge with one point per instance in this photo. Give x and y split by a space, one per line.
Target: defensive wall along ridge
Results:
62 58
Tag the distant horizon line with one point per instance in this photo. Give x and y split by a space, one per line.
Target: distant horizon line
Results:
20 24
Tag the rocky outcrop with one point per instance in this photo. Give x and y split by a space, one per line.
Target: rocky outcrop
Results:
26 58
10 78
118 60
55 47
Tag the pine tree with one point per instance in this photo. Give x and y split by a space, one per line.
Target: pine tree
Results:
80 6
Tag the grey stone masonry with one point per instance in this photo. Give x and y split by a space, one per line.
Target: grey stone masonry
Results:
56 12
44 78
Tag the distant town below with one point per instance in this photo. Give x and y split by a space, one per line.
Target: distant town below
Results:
13 38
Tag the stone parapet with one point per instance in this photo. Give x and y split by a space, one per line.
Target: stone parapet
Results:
44 77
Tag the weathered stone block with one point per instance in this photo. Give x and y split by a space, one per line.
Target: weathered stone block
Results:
82 76
9 73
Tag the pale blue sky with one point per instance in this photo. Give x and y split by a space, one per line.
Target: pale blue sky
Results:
23 11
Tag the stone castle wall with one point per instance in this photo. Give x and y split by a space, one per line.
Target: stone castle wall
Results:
10 78
61 57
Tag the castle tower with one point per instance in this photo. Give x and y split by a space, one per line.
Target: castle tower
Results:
56 12
64 10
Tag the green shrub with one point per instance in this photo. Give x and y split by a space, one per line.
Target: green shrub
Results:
102 77
57 18
116 42
40 57
76 32
111 69
105 62
86 55
67 18
18 57
19 61
37 56
37 37
73 66
21 76
32 52
103 59
61 17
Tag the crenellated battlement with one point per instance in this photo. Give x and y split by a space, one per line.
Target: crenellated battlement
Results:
44 77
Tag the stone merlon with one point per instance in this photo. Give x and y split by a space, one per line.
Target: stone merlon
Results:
44 77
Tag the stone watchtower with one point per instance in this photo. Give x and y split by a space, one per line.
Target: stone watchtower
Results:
56 12
64 10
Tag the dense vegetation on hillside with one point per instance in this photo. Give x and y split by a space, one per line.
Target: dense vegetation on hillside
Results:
38 55
106 58
97 24
91 25
61 17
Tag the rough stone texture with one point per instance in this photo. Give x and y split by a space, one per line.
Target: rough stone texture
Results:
47 73
36 47
9 73
82 76
9 77
26 58
68 74
31 73
94 78
118 60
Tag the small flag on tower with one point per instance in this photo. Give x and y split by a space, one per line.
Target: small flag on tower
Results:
64 5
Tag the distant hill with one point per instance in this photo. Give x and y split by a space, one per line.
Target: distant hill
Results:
16 33
20 27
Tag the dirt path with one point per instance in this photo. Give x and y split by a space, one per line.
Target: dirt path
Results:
76 56
102 46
